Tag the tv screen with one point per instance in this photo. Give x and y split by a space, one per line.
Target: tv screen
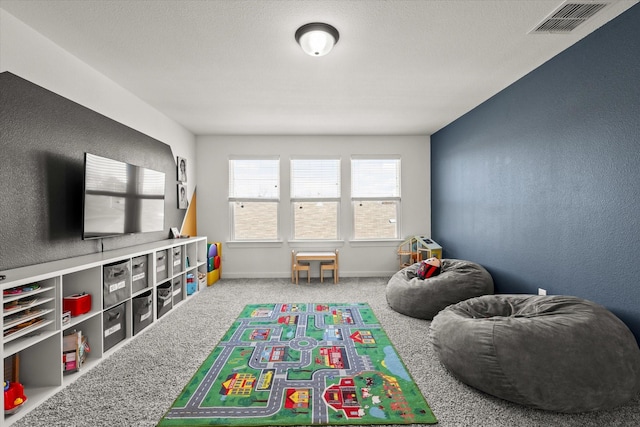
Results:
120 198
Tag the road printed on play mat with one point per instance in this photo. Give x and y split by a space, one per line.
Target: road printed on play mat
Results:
285 364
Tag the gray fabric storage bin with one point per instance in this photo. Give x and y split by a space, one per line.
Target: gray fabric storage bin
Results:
114 326
176 259
163 298
177 290
162 271
142 308
139 272
116 283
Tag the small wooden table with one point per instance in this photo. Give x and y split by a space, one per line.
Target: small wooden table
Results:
320 256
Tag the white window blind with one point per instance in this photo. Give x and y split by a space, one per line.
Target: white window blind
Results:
254 179
375 178
375 198
315 178
254 198
315 197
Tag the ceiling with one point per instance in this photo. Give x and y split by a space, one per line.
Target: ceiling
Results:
401 67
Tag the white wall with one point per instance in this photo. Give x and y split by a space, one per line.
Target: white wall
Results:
357 259
28 54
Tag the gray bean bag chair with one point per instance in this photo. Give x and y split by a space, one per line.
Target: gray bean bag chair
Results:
558 353
424 298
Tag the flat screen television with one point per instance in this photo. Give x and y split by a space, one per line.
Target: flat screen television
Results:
120 198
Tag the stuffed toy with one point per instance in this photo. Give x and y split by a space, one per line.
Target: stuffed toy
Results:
429 268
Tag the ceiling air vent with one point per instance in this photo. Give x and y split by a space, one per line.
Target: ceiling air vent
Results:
568 17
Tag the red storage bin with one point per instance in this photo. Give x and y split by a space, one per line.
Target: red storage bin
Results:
77 304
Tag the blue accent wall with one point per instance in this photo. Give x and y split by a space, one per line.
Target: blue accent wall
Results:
541 183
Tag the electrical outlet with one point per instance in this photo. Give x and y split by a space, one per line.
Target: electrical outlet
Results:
542 291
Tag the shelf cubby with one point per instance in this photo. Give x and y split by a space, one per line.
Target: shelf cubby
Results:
29 314
33 298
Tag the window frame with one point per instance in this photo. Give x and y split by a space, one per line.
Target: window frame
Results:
239 198
397 199
336 199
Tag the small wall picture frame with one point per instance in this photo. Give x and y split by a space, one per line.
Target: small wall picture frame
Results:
175 233
183 203
182 169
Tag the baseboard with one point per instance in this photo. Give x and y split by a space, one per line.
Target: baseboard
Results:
275 275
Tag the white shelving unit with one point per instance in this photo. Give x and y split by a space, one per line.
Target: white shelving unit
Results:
32 301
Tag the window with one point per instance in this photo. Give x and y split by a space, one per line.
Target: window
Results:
315 198
375 197
254 196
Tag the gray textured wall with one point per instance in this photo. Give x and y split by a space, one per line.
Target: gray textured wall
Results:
541 183
43 139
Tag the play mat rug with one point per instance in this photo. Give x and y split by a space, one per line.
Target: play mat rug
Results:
301 364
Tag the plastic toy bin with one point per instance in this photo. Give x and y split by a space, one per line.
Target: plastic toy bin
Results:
192 285
139 267
161 265
114 326
142 307
77 304
117 282
163 300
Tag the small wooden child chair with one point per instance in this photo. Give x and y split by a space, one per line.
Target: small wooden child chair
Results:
296 267
326 266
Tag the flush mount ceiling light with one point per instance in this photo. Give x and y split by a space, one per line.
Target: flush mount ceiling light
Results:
316 38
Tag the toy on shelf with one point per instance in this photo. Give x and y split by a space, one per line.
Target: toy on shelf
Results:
75 349
416 248
14 396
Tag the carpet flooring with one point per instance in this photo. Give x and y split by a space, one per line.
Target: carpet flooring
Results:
139 382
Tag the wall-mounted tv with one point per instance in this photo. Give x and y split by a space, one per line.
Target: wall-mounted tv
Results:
120 198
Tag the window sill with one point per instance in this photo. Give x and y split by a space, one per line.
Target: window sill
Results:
378 243
315 243
255 243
